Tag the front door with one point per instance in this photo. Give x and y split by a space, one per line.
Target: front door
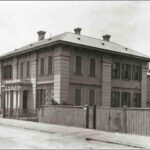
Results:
25 99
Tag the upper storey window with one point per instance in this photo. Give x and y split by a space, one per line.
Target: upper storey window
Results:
136 72
126 71
116 70
78 65
21 69
28 69
7 72
49 65
92 67
42 66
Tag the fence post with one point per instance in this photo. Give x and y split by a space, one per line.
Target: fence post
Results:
94 116
86 108
109 120
125 119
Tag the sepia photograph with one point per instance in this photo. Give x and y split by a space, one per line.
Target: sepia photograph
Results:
74 75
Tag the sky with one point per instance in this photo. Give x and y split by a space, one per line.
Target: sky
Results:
128 22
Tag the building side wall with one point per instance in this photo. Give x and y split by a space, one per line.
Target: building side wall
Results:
63 81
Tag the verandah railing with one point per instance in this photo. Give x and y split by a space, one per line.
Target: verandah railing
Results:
21 114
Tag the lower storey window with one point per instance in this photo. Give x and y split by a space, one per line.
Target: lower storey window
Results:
41 98
91 97
77 97
124 99
137 100
115 99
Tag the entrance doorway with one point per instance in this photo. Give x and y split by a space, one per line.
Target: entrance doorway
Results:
25 99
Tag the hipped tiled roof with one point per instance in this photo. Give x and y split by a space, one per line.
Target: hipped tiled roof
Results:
79 40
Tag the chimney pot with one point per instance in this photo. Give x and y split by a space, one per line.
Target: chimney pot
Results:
77 30
106 37
41 35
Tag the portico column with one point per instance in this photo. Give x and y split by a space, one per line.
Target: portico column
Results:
14 100
20 99
6 99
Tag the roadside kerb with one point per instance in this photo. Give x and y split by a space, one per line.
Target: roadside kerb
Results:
95 135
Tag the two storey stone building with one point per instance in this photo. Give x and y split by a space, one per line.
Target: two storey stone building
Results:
73 69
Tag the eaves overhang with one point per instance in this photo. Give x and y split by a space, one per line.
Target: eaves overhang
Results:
72 44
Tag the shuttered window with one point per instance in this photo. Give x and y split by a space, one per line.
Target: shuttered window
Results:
77 97
78 65
92 67
49 65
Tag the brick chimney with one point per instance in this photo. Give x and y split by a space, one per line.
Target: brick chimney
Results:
106 37
41 35
77 31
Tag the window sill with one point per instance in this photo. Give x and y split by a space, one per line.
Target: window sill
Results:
115 78
92 76
136 80
126 79
46 75
78 74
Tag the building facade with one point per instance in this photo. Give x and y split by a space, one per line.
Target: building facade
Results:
73 69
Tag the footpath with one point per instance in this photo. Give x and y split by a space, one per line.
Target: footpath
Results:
135 141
